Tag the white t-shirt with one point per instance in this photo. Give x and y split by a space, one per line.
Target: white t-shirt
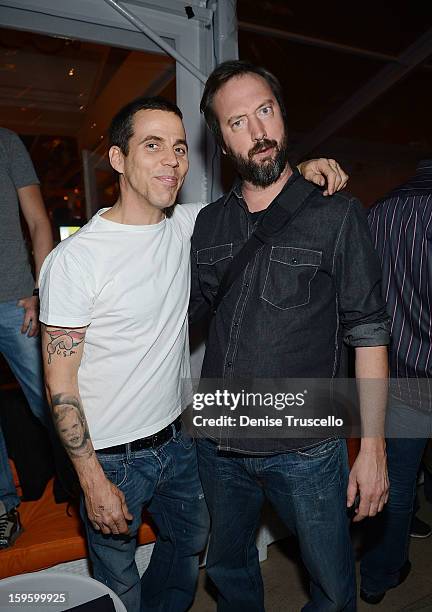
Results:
130 285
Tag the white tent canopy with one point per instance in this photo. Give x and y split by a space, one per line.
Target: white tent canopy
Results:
196 33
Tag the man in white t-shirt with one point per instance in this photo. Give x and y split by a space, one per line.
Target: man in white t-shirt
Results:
114 301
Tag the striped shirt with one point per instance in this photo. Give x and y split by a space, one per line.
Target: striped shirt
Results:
401 226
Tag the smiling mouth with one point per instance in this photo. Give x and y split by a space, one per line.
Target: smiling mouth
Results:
169 181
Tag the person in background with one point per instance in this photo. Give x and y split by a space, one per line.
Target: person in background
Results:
19 301
401 227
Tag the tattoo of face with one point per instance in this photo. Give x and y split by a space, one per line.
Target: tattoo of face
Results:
63 341
71 425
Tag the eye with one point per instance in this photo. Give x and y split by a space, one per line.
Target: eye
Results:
237 124
180 151
152 146
265 110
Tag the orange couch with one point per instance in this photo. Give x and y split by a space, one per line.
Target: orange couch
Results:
50 537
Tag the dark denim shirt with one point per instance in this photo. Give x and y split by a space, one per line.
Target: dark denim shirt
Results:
286 315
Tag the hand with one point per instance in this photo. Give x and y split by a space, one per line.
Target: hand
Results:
31 315
369 476
322 170
107 509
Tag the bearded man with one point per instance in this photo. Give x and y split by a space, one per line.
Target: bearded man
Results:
304 290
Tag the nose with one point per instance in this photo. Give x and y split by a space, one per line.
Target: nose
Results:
257 129
170 159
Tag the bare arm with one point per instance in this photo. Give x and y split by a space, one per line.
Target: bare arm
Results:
36 217
34 212
62 352
321 171
369 472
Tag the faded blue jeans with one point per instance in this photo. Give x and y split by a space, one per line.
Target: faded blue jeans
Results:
23 355
308 491
165 481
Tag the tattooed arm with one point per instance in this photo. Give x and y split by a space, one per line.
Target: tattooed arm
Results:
62 352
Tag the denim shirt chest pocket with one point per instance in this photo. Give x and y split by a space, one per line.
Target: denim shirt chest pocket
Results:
290 272
213 261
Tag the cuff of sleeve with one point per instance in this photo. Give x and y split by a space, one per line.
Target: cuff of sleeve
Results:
27 183
368 334
59 321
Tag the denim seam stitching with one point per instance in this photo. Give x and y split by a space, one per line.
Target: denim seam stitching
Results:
296 305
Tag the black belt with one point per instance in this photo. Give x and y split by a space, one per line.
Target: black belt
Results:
152 441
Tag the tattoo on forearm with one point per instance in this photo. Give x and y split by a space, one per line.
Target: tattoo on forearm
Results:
71 425
63 341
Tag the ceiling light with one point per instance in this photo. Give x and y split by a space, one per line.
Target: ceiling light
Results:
7 67
71 72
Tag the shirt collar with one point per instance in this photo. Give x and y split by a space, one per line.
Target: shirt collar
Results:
235 191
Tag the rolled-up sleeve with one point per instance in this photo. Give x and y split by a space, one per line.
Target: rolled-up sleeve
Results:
357 272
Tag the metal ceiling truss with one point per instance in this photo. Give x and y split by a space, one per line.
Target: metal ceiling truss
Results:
312 41
158 40
416 53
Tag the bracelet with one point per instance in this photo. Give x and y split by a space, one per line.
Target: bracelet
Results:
36 292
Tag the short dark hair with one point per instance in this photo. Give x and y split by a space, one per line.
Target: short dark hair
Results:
224 73
121 128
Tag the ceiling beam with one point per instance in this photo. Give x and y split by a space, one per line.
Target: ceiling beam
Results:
317 42
381 82
135 77
104 55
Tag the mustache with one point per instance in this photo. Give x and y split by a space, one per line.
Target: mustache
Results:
262 145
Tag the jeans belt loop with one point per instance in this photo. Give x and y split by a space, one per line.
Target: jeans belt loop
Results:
174 430
128 453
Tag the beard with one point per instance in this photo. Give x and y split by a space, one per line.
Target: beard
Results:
265 172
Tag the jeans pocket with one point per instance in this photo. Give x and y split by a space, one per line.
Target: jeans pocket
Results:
185 439
115 471
318 469
290 273
321 450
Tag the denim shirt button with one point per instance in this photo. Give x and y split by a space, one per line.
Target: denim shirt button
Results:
236 324
229 364
246 284
294 260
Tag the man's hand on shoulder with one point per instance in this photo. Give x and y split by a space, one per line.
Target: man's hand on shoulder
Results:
106 507
324 171
369 478
31 315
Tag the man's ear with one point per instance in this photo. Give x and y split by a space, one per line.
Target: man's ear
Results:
116 158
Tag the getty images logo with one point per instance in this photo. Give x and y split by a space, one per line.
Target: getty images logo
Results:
228 399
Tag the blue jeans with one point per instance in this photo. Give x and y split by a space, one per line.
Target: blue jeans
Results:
165 481
389 532
24 358
308 491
